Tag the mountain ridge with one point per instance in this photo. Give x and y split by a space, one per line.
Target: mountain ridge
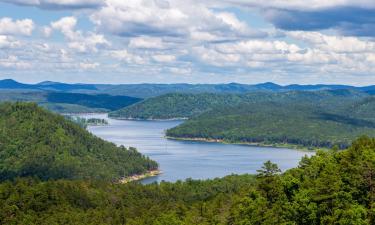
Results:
145 90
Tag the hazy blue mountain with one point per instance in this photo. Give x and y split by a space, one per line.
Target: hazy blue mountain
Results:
152 90
64 102
12 84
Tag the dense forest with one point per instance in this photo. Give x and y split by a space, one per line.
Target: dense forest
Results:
302 125
179 105
35 142
333 187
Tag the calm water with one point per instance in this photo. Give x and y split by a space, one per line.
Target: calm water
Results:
183 159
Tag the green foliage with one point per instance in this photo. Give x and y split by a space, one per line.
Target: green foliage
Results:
35 142
332 187
306 119
29 201
329 188
172 106
179 105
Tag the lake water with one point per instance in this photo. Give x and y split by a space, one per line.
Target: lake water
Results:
187 159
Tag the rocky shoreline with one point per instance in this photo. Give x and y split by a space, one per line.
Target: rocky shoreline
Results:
137 177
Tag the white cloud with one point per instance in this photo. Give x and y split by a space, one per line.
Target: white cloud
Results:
78 41
17 27
8 42
88 66
66 25
180 71
12 61
177 18
146 42
337 44
164 58
124 55
58 4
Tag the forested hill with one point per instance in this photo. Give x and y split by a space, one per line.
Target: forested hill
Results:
171 106
35 142
333 187
301 125
179 105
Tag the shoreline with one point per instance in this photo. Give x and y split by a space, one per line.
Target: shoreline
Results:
138 119
256 144
138 177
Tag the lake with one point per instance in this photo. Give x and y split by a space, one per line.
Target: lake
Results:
188 159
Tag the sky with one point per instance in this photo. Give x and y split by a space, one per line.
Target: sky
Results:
188 41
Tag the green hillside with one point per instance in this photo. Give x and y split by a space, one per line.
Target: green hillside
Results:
276 124
307 119
171 106
333 187
179 105
35 142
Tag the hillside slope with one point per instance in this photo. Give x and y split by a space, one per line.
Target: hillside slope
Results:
180 105
299 123
171 106
35 142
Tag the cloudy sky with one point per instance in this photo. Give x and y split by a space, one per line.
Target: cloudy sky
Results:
193 41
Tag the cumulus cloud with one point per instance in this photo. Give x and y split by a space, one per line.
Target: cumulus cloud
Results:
164 58
8 42
348 17
8 26
174 18
12 61
59 4
88 66
128 57
88 42
147 42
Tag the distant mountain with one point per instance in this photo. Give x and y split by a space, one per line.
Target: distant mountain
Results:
47 85
12 84
152 90
64 102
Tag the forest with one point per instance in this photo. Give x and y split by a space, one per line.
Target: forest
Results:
332 187
38 143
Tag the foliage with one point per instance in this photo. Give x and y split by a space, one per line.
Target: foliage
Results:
172 106
305 119
35 142
332 187
29 201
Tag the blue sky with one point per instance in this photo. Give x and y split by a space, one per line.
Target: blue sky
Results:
190 41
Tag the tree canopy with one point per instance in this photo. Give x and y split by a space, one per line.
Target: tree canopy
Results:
35 142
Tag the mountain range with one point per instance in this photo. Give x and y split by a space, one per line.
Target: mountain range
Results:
151 90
